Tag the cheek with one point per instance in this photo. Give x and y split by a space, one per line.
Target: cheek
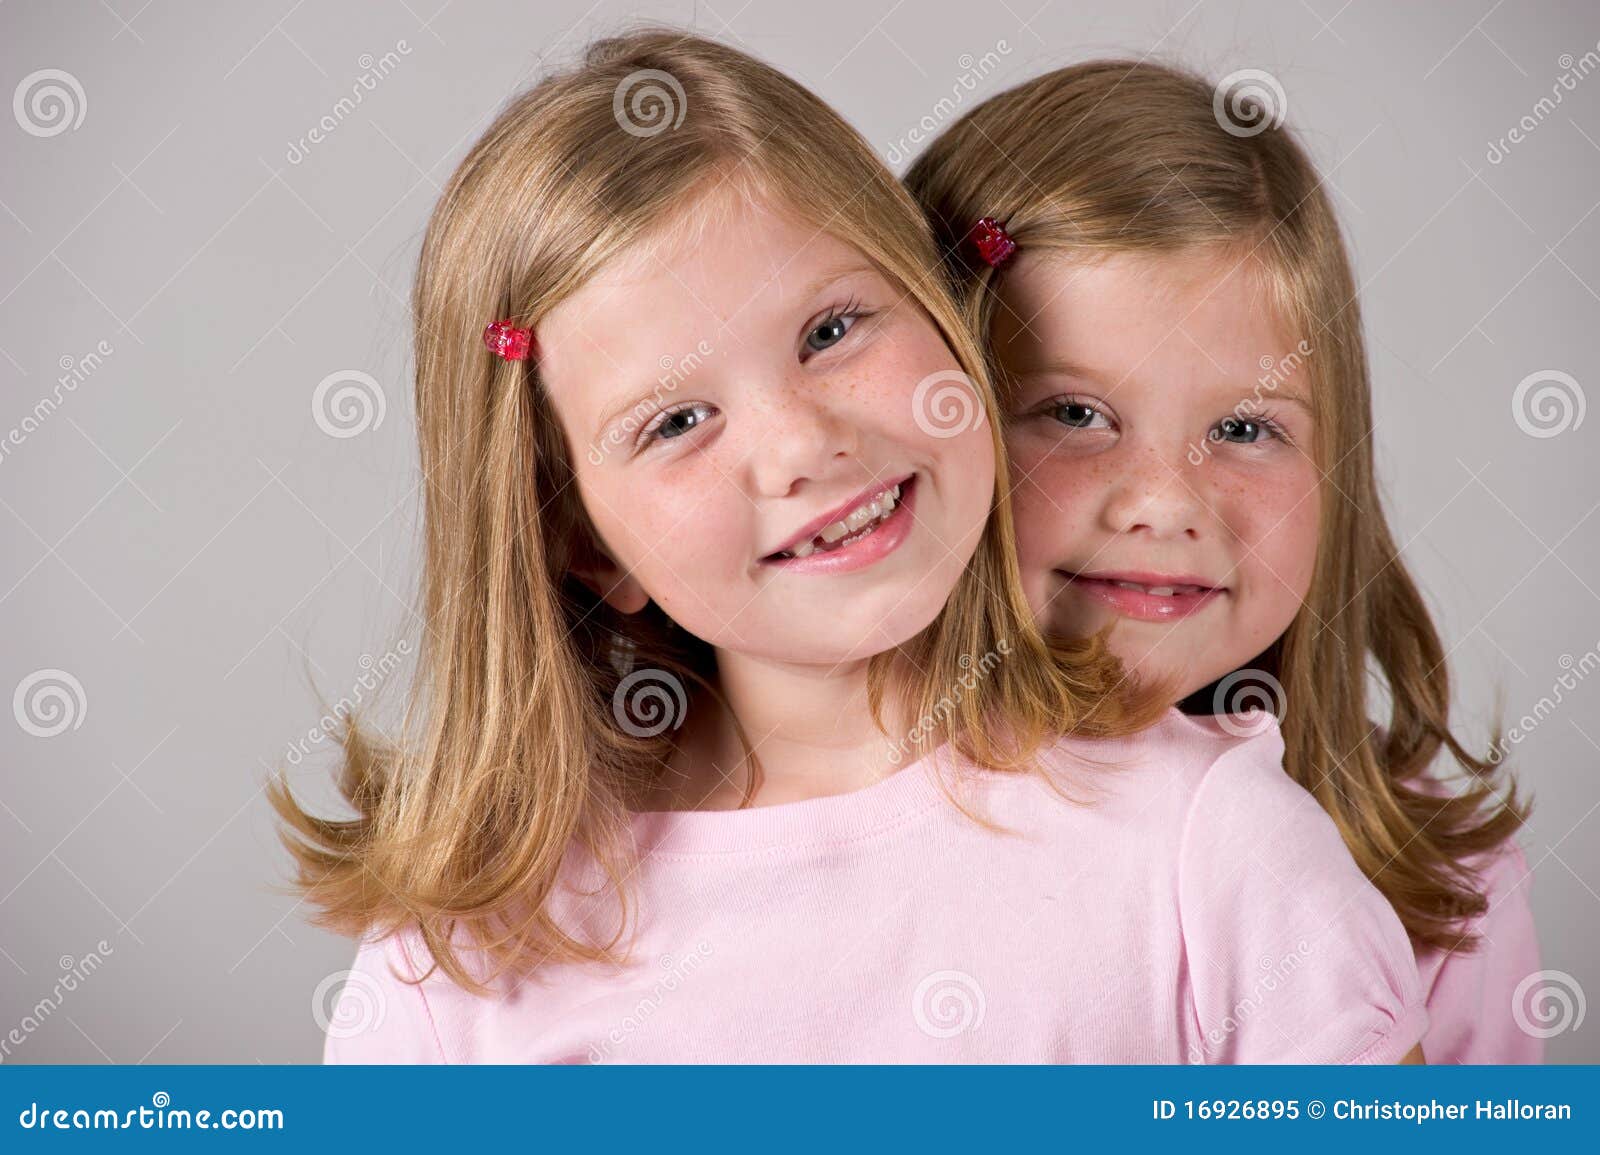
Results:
1053 501
1279 518
661 529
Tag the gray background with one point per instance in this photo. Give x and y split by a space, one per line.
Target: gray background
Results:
184 539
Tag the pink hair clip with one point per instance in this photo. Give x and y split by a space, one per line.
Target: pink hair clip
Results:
506 340
992 241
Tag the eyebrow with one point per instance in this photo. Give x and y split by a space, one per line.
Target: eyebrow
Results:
838 271
1068 369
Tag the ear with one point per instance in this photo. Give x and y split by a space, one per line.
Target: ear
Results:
608 581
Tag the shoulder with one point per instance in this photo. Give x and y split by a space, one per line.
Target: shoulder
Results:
1295 955
381 1010
1158 776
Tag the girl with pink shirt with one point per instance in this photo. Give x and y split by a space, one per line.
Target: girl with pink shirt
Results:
735 739
1176 337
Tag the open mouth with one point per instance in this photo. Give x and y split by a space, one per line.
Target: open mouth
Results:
881 518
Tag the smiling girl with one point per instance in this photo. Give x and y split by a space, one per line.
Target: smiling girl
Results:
1178 343
738 742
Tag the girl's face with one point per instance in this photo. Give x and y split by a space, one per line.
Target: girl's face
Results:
1160 435
742 411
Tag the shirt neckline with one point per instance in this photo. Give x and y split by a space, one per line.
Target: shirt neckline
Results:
832 818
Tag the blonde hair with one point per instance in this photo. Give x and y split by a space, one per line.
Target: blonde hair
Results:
519 754
1122 157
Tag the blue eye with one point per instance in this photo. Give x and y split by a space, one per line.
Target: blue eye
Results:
677 422
1239 431
829 332
1075 414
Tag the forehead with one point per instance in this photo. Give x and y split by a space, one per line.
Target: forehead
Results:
720 274
1201 314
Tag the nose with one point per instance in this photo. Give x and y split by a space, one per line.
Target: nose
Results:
1157 497
799 434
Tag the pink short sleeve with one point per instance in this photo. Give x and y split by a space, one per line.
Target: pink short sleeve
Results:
1473 996
376 1017
1293 956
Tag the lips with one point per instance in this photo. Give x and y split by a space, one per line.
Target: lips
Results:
858 536
1146 596
845 524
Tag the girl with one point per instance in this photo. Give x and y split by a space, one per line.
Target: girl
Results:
1163 246
724 660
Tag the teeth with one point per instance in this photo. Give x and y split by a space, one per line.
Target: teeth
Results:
1158 591
851 525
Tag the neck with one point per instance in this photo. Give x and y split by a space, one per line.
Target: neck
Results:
809 726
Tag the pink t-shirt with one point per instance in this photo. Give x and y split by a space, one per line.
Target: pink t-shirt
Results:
1192 904
1471 997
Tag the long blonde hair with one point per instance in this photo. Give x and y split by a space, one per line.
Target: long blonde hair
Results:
519 753
1124 157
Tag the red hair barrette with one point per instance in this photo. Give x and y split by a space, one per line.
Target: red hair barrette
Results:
992 241
508 341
